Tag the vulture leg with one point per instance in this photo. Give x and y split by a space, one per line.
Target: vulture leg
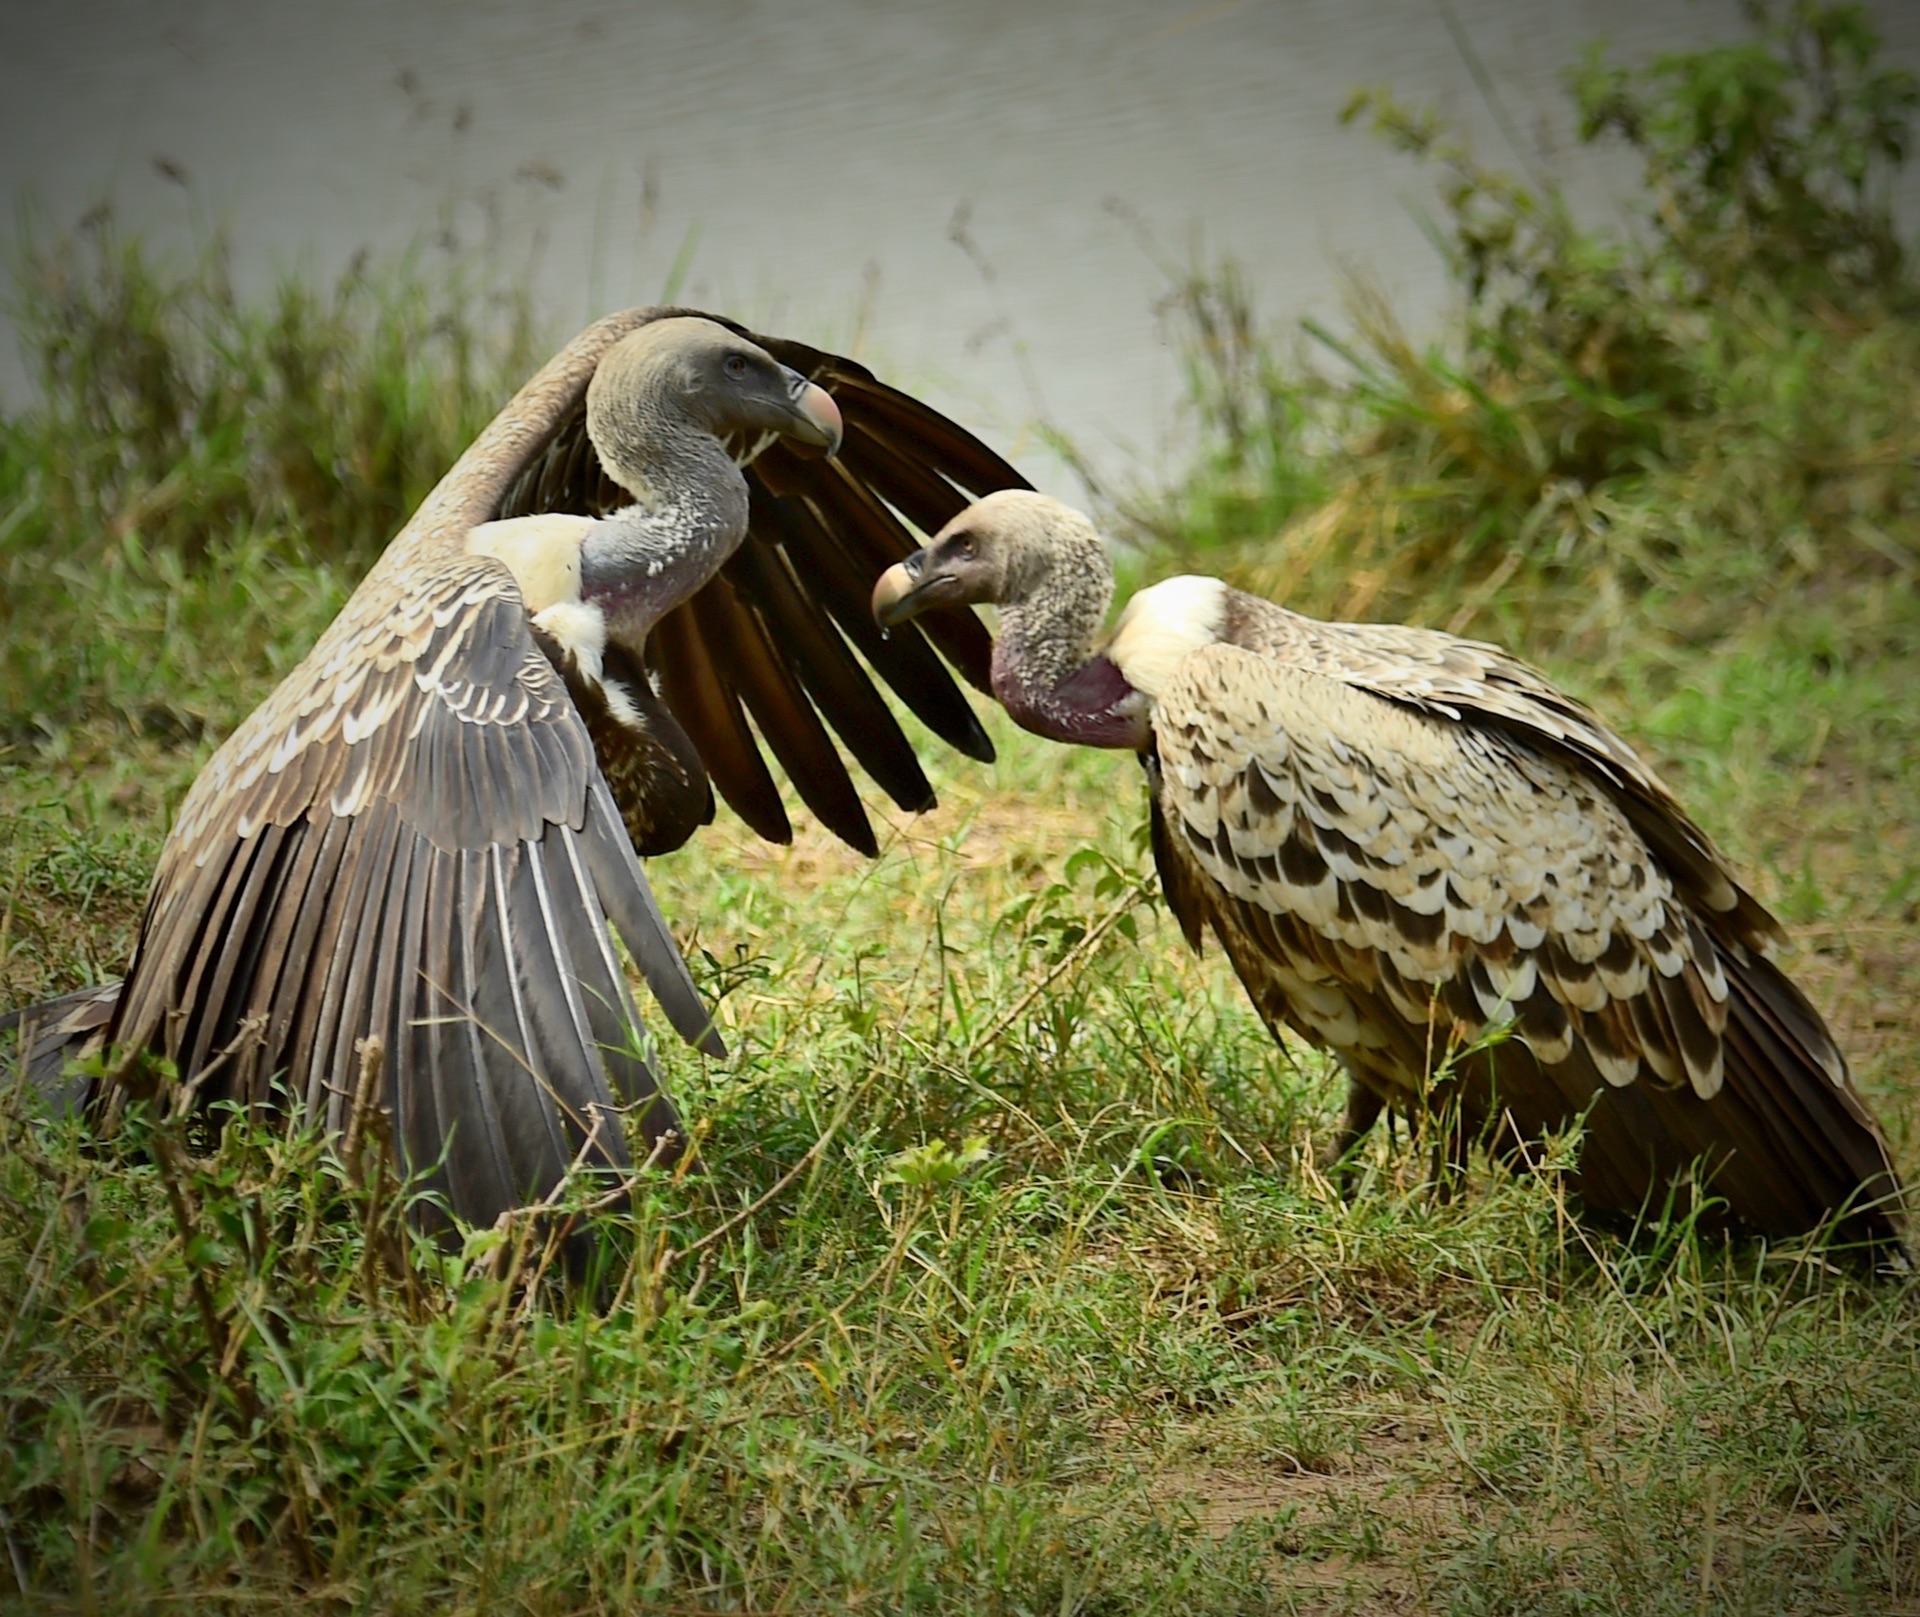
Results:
1363 1108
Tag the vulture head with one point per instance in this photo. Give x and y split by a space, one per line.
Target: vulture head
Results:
1045 567
674 410
1014 549
672 376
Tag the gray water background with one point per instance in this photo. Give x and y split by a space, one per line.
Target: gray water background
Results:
983 197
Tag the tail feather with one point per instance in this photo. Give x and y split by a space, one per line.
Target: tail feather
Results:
55 1033
1784 1065
1787 1142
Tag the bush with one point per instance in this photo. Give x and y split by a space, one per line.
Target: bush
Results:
204 474
1616 416
173 409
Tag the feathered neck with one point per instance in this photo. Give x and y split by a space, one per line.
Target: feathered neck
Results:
1052 627
689 515
1047 671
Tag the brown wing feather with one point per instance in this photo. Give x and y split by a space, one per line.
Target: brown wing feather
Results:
759 672
843 584
835 526
1181 883
874 535
703 701
1393 884
764 580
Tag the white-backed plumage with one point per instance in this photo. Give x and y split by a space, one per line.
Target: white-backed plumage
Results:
1405 842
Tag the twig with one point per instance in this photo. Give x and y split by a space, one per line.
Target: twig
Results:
888 1265
14 1554
1710 1509
1085 946
601 1203
515 1222
1483 82
252 1029
807 1158
366 1150
373 1058
210 1320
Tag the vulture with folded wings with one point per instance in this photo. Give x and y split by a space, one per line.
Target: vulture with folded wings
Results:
421 837
1407 842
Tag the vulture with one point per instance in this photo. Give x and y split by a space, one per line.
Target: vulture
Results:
415 846
1420 856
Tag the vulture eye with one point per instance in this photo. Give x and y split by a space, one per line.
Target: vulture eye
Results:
961 545
736 365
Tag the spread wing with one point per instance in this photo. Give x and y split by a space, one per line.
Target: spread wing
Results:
410 841
769 645
1390 878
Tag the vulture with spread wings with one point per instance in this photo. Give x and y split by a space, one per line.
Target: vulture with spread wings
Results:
664 542
1407 842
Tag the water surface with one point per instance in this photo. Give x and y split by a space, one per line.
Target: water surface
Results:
974 193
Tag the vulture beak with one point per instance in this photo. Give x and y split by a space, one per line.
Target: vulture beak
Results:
900 592
816 418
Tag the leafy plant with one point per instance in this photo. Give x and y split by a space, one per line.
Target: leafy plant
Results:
1685 418
1773 156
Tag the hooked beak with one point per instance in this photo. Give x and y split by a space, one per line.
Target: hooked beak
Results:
902 592
815 417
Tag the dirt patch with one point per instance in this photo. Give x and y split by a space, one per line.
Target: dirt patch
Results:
1355 1529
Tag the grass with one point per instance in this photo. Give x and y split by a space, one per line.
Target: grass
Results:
1128 1353
1006 1282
